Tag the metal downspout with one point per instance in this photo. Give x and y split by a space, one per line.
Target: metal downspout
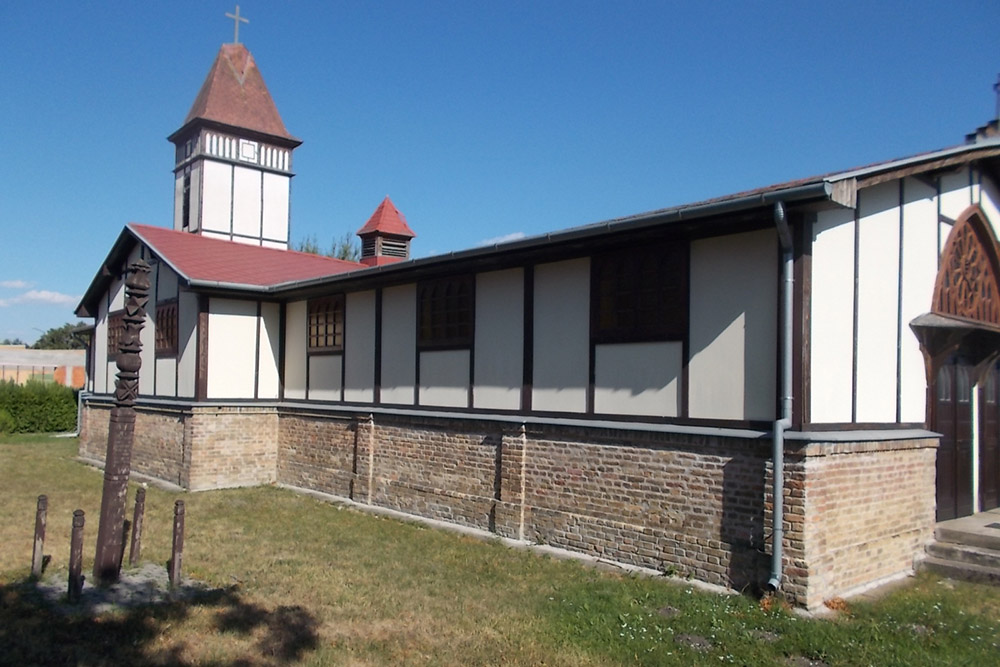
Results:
785 420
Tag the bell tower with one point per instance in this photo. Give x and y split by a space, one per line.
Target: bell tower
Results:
233 157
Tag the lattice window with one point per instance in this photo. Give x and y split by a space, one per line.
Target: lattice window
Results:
166 329
640 294
967 284
116 327
446 312
326 324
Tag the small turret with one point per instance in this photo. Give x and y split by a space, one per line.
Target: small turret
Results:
385 238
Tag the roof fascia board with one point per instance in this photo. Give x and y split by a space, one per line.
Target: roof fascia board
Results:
926 162
286 142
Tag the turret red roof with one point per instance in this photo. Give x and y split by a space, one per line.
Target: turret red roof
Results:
234 93
387 220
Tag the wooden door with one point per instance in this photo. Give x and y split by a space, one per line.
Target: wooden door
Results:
953 420
989 441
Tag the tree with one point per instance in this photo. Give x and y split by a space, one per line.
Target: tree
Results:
9 341
60 338
346 247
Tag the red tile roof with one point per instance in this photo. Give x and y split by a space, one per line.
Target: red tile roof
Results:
388 220
204 259
234 93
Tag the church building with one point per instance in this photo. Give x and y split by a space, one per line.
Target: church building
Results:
627 389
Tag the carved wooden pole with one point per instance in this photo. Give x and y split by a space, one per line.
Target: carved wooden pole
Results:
121 429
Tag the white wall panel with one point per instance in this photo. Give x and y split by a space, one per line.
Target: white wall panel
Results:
216 205
267 373
246 201
638 379
359 347
179 201
919 272
187 342
196 213
324 377
117 292
733 335
166 377
832 317
444 378
989 200
562 336
232 341
276 190
295 350
101 348
955 195
499 344
399 339
878 285
166 282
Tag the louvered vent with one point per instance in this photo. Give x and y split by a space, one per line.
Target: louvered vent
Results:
394 248
368 247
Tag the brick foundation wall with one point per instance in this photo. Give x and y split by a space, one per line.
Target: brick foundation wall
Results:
856 513
198 448
697 505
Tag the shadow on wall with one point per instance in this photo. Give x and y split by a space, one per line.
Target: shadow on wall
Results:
743 480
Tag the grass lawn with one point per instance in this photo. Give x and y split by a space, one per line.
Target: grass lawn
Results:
299 581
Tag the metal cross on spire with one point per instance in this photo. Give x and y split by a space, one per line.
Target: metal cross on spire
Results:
237 19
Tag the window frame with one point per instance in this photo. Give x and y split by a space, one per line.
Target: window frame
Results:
115 331
446 313
640 294
334 327
167 329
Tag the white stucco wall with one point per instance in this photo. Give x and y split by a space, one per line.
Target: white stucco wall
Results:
359 347
956 196
499 340
638 379
276 191
733 326
399 336
989 200
919 270
187 342
561 336
295 350
247 190
100 379
324 377
216 193
232 340
878 284
267 367
444 378
832 317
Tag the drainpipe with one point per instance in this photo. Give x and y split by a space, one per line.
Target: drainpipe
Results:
785 420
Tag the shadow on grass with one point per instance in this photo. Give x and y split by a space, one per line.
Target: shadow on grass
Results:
34 631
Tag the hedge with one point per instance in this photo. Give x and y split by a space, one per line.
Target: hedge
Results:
36 407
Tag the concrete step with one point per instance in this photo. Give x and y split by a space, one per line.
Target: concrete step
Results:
987 538
966 571
964 553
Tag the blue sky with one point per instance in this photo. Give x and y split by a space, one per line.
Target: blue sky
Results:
480 120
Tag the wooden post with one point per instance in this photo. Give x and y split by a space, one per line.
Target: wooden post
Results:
177 552
136 545
37 557
76 558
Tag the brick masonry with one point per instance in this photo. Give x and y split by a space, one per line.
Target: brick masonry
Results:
693 505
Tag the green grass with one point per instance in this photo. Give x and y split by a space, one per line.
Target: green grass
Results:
298 581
